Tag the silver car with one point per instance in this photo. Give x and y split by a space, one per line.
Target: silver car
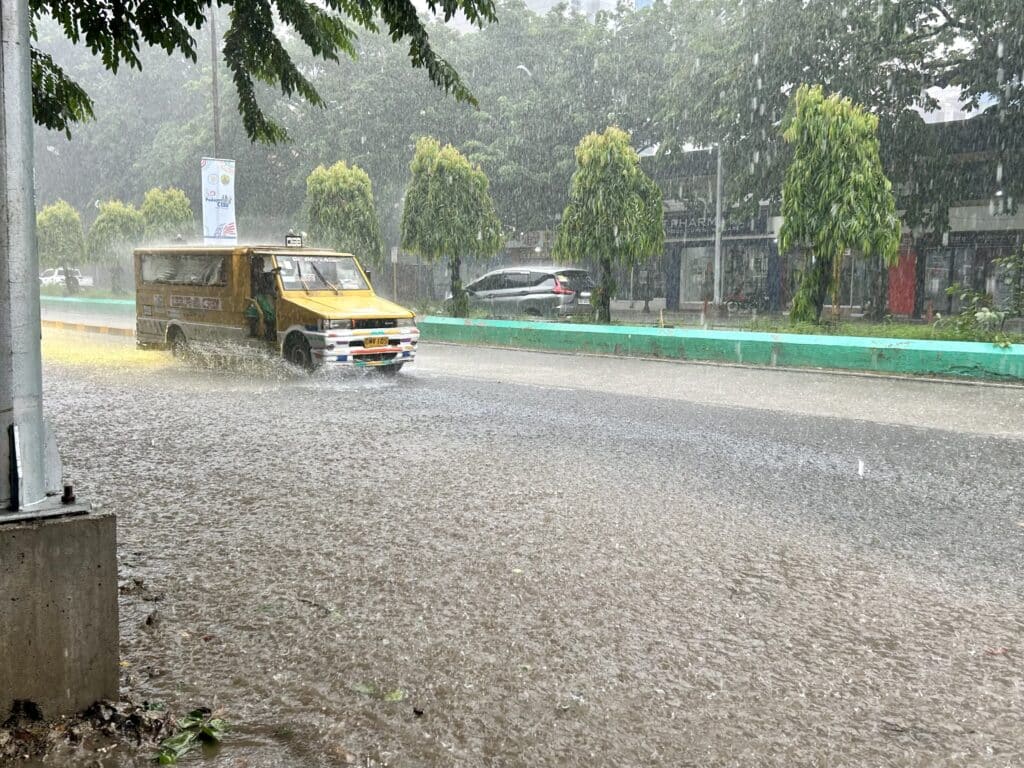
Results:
532 291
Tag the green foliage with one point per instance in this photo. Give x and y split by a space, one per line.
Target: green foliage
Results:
340 211
198 727
615 212
252 49
449 213
117 230
978 319
167 214
943 330
61 242
836 196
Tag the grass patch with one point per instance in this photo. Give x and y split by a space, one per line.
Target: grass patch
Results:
894 330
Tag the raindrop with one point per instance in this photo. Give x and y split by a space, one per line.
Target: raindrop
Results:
999 50
999 173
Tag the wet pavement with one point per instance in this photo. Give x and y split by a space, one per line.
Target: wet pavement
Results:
516 559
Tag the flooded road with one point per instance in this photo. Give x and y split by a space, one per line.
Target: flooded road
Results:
600 563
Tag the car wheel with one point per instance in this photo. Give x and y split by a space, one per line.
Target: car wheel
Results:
296 352
177 342
731 307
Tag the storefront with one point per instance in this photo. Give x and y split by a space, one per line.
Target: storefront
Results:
971 260
750 260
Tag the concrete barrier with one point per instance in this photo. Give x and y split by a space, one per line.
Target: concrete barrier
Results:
58 613
85 305
925 358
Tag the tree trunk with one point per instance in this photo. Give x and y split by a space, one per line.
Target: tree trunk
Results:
70 281
836 282
602 297
879 289
460 302
820 280
117 278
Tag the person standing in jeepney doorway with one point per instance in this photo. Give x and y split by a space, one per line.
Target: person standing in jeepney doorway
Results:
261 310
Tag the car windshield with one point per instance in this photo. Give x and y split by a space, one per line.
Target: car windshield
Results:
320 273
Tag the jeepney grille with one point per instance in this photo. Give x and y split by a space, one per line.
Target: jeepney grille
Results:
387 322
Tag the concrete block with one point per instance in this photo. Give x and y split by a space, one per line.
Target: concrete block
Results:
58 613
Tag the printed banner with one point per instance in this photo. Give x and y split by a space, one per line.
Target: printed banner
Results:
219 201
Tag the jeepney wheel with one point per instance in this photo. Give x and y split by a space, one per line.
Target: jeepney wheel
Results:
296 352
177 342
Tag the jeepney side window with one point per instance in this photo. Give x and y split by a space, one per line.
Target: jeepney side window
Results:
184 268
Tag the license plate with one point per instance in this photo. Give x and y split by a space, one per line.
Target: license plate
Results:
582 300
371 342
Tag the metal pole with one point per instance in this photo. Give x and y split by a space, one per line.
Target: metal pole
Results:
216 92
718 225
22 434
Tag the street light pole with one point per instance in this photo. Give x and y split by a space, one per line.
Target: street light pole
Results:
23 481
718 225
216 92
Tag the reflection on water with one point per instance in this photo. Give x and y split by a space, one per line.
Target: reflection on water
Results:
423 571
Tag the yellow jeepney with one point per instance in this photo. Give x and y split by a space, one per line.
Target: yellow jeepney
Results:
314 307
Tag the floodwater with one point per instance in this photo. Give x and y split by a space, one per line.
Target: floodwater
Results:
439 569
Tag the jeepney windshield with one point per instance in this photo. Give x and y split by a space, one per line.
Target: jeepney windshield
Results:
320 273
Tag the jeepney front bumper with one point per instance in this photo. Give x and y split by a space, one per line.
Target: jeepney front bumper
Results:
377 347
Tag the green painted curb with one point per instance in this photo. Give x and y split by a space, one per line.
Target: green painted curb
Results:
964 359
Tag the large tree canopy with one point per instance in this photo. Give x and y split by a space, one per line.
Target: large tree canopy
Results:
449 213
615 212
253 51
167 214
340 211
60 239
836 197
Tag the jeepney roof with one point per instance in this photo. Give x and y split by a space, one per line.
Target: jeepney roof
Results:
277 250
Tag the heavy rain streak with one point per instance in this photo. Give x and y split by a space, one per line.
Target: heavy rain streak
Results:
526 384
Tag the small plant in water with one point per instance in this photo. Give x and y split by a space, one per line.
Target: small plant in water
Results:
198 727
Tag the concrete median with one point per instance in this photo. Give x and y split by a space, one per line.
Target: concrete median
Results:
975 360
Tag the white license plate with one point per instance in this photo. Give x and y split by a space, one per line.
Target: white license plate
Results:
582 300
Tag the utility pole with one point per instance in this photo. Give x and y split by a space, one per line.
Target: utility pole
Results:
23 481
214 60
58 564
718 225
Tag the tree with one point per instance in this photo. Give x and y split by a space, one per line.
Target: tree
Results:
60 240
167 214
836 196
340 211
615 212
252 49
116 231
449 213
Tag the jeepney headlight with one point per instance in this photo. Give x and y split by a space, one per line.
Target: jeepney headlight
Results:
334 325
405 322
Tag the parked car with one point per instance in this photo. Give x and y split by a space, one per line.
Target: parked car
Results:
56 277
532 291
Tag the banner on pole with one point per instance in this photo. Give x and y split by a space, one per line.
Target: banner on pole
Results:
218 178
